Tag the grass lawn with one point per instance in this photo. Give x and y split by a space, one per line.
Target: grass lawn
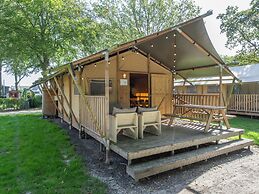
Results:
251 127
36 157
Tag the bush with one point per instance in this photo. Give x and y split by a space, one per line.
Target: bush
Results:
12 104
36 102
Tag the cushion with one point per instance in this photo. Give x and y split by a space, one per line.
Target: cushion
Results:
123 110
142 109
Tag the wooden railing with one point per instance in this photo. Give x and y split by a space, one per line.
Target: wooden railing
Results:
97 106
198 99
244 103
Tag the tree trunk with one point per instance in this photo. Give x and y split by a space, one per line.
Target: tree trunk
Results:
1 86
16 81
45 65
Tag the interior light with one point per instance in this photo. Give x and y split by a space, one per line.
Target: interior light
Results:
174 54
152 45
95 65
123 58
174 45
174 35
166 37
124 76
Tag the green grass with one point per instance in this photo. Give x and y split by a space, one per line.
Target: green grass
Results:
251 127
37 157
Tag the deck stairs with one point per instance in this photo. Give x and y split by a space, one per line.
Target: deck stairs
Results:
155 165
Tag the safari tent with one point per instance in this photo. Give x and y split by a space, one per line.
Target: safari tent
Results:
141 73
241 98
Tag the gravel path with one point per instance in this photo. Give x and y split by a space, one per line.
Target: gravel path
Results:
236 173
29 111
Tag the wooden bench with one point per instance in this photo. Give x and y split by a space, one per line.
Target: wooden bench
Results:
213 113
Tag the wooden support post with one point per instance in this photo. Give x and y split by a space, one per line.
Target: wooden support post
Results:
59 100
220 86
230 92
149 81
62 100
107 81
66 100
51 97
70 102
80 90
82 133
118 76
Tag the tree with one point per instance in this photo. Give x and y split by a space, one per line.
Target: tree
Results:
19 69
242 30
45 31
124 20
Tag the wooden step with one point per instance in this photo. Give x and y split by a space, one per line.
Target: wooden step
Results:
149 168
182 143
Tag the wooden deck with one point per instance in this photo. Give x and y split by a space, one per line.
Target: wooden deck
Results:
171 139
183 135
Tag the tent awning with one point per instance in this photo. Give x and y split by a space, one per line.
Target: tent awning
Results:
190 58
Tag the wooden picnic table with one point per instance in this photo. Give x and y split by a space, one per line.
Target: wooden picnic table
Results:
214 113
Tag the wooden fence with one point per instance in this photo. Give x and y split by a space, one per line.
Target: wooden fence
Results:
97 106
198 99
246 103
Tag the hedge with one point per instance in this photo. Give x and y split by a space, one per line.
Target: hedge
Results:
21 103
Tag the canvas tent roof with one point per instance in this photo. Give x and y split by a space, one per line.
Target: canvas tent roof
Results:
247 73
193 56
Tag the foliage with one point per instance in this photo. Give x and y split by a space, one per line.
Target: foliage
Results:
251 127
27 100
37 157
45 31
12 104
36 101
130 19
242 30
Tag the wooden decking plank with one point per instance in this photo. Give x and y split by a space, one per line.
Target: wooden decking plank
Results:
183 137
149 168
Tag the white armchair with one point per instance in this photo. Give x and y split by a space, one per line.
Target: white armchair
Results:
149 121
128 122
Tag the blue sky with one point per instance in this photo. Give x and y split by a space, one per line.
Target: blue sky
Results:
212 25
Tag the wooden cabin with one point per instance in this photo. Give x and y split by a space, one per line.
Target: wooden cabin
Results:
141 73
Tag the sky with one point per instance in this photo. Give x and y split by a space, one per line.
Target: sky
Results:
212 24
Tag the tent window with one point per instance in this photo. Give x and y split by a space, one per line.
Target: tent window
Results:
191 89
213 89
97 87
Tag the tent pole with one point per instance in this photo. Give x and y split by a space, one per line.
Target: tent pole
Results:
231 91
220 85
149 81
107 82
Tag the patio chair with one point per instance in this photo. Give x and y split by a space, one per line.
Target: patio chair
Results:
150 121
126 121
